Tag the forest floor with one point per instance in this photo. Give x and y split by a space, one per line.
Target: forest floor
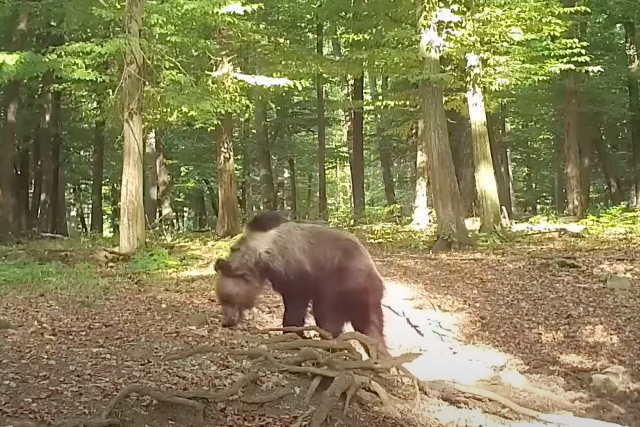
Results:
537 320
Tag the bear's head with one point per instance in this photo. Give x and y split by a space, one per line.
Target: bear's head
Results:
237 290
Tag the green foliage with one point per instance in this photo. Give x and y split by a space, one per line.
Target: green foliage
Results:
615 220
152 259
29 275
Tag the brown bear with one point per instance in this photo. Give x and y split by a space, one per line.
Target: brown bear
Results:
305 263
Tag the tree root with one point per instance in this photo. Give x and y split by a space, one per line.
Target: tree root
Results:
336 359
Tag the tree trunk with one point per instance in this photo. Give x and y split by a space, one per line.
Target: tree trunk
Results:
434 140
322 125
9 220
164 194
499 156
46 156
421 213
357 152
114 194
460 142
57 189
269 196
634 103
23 187
228 221
609 169
213 196
98 177
572 158
486 186
199 207
559 169
309 193
294 188
62 225
383 146
132 223
247 194
77 193
151 182
37 180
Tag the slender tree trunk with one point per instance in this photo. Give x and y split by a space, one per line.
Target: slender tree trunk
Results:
56 163
269 195
37 180
435 141
294 187
586 164
46 156
357 152
9 220
151 182
309 193
132 223
77 193
164 178
98 177
114 193
322 125
199 207
572 157
486 186
213 196
383 146
62 224
228 218
23 187
634 103
247 195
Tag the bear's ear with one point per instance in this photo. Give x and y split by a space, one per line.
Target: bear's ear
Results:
223 266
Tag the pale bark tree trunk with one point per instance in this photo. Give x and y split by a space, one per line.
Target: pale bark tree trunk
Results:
383 146
357 151
322 125
164 178
634 103
269 195
9 218
228 221
151 181
62 224
98 177
486 186
132 223
46 158
421 213
435 142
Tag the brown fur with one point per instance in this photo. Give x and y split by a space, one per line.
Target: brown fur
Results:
305 263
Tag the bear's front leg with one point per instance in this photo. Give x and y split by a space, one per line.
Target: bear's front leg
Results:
295 311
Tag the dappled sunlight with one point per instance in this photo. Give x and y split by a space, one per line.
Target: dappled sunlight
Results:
413 326
599 334
577 360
